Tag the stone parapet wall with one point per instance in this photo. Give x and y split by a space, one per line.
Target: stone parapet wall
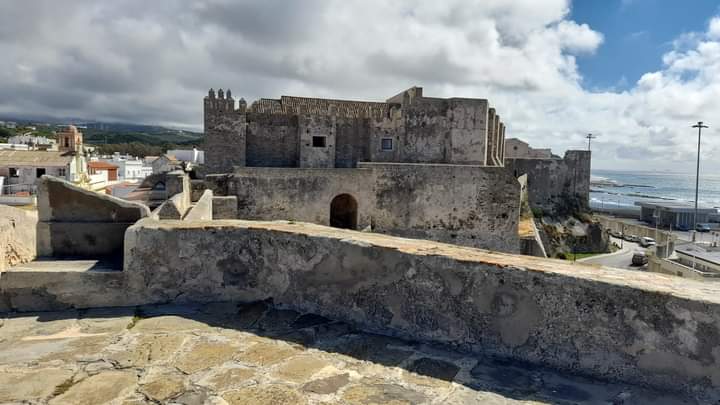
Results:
636 327
75 222
644 328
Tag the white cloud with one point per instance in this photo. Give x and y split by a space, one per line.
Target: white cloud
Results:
714 28
152 62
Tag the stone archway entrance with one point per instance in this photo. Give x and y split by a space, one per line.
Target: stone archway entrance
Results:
343 212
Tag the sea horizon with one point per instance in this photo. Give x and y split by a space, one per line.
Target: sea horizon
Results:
623 188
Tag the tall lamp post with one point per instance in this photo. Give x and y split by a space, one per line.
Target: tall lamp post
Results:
699 126
590 137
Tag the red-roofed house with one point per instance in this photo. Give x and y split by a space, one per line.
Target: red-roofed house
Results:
97 167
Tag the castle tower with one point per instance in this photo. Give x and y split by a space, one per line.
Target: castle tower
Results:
225 129
70 140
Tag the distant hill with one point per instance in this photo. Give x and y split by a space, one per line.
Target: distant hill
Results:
99 133
126 133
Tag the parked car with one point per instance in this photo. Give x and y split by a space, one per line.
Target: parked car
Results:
632 238
639 258
647 242
616 234
703 228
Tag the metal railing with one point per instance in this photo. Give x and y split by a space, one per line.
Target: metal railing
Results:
19 189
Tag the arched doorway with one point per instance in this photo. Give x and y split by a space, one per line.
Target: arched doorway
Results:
343 212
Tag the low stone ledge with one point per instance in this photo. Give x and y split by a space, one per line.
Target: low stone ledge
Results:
632 326
59 285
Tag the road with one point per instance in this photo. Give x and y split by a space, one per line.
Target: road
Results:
622 259
702 237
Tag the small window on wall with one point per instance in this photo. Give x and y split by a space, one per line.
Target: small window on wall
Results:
61 172
386 144
14 172
39 172
318 142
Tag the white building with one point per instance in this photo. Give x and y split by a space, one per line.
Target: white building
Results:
13 146
35 142
22 168
129 167
188 155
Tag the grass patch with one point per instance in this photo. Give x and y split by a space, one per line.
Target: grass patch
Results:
578 256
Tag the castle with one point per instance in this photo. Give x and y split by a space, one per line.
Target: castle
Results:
412 166
323 133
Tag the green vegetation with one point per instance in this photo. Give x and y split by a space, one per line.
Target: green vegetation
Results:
575 256
139 140
537 213
135 140
150 136
5 134
136 148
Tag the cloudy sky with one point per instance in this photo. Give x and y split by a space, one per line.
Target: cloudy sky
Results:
637 73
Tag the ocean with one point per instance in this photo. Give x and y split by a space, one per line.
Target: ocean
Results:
621 189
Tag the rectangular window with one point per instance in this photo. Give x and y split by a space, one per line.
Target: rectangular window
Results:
61 172
386 144
14 172
318 142
39 172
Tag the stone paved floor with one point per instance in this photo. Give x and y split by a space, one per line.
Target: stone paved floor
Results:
252 354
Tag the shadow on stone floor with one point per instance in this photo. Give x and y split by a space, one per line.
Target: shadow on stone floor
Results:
508 378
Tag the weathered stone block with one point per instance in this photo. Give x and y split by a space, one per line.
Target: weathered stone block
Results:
62 201
174 208
82 223
203 208
224 207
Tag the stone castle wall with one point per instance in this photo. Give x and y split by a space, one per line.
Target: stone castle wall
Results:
271 141
267 193
279 133
460 204
556 185
467 205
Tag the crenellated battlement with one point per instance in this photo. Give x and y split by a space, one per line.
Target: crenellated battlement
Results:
223 102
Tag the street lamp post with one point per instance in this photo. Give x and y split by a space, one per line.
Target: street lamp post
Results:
590 137
699 126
